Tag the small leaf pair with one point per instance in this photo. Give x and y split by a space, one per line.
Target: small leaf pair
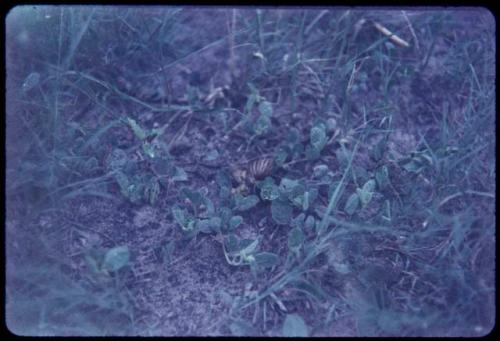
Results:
362 196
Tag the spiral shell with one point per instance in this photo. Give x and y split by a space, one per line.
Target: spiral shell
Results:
260 168
253 171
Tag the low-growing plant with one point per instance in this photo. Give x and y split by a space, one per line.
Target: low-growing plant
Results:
332 154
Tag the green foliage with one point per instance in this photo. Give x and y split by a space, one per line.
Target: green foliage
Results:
212 155
268 189
266 108
242 328
138 131
312 153
239 251
252 98
366 192
266 260
225 213
69 135
209 225
198 200
281 156
295 239
306 199
309 223
224 182
320 171
338 261
291 148
235 221
281 211
180 175
382 177
318 137
289 188
377 152
352 204
417 162
31 82
116 258
243 203
138 187
168 251
313 290
262 125
298 221
151 190
294 326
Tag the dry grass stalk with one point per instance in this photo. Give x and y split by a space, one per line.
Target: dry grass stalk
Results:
392 37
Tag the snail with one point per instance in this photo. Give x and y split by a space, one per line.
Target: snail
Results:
252 172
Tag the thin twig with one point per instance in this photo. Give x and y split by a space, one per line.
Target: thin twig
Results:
392 37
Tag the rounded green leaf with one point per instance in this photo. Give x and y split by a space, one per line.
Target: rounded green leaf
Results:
196 197
294 326
211 155
223 179
295 238
331 124
235 221
366 193
179 215
31 81
138 131
382 177
298 221
208 225
369 186
248 246
318 137
262 125
312 153
162 166
287 186
319 171
342 268
246 203
242 328
116 258
377 152
225 214
269 191
231 242
364 197
413 166
266 259
281 211
309 223
118 159
180 175
280 157
351 204
266 108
